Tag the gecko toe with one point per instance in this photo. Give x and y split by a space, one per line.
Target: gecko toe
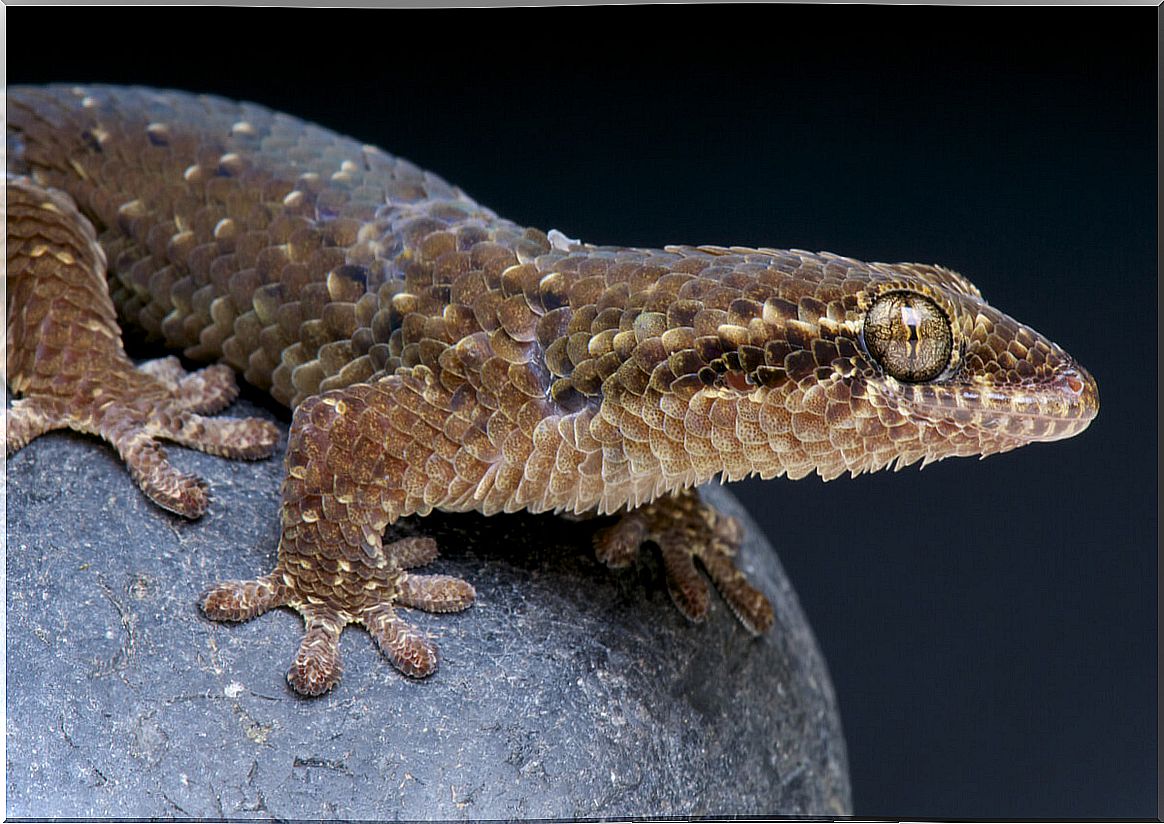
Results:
751 607
617 545
29 418
317 666
243 600
203 391
207 391
172 490
435 593
687 588
414 552
403 644
236 438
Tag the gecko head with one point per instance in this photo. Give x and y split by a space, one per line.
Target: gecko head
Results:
935 372
854 367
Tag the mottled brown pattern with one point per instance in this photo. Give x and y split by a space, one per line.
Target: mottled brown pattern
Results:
438 357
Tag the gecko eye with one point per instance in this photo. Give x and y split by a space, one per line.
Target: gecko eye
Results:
909 336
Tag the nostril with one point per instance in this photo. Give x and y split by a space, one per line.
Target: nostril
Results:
1079 388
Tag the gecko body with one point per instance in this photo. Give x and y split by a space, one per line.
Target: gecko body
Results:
437 356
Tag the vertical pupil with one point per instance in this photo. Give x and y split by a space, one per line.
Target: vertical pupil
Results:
909 336
911 320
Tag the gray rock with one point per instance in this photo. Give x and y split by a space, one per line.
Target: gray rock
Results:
566 691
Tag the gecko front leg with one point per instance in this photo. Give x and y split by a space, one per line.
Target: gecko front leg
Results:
686 530
344 486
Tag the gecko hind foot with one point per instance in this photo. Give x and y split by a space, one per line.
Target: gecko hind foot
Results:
66 361
685 530
134 410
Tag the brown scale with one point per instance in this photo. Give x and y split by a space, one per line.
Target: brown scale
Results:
438 357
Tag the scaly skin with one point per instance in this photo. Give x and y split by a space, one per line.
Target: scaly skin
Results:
438 357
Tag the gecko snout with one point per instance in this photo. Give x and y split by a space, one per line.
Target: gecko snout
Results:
1079 391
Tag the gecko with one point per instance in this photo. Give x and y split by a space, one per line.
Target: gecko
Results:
438 357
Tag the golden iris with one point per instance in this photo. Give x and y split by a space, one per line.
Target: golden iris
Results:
909 336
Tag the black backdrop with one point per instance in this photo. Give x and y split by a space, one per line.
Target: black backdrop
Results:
990 626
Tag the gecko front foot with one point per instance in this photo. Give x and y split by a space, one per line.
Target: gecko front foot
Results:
686 529
329 597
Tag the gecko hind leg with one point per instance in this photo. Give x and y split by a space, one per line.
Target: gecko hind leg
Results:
686 530
65 358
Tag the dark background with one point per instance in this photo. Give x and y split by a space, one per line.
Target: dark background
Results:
991 627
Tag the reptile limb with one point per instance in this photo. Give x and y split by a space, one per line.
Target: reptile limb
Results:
687 530
344 486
